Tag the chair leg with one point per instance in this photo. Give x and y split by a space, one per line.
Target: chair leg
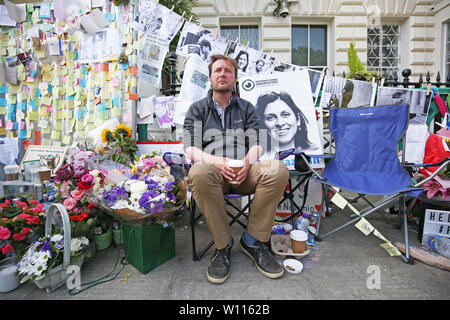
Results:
192 207
407 259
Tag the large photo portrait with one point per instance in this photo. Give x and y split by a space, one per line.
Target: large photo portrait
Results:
284 104
195 40
345 93
419 102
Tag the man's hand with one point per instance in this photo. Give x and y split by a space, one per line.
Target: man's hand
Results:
227 172
242 174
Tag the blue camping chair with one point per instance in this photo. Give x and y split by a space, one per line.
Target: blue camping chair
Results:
366 160
179 168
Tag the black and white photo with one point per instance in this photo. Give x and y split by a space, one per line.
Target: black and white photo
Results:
315 77
157 20
419 102
345 93
284 104
195 40
250 61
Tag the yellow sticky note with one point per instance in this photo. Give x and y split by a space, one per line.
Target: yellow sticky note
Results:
58 125
56 144
46 142
56 135
43 112
66 140
339 200
389 247
379 235
47 67
364 226
33 116
59 115
46 101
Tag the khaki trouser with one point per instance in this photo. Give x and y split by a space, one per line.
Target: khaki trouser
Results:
266 180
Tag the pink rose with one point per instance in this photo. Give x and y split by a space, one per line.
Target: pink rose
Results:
77 194
4 233
87 178
70 203
149 162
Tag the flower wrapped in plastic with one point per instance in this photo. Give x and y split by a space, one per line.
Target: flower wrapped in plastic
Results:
150 194
47 253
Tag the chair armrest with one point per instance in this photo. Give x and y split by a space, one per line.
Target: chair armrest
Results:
424 165
441 165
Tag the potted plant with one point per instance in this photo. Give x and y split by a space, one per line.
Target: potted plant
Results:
20 224
103 230
357 69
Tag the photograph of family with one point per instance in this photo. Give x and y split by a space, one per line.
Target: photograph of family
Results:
250 61
284 103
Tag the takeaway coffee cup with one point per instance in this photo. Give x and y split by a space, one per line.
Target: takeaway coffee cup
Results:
236 165
298 241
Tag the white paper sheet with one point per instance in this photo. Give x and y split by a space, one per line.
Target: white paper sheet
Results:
5 20
16 12
416 138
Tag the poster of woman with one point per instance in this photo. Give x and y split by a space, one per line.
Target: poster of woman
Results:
284 104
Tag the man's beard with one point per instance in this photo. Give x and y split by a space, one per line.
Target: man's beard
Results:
222 90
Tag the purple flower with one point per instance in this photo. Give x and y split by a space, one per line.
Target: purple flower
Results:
134 177
115 194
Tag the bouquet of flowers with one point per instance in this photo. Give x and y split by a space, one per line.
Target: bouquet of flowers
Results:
46 253
150 192
73 181
20 224
123 149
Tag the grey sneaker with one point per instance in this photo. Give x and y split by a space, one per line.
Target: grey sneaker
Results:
265 260
219 265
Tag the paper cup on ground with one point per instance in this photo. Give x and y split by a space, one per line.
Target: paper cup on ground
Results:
298 241
236 165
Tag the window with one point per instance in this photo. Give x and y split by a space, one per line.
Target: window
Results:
246 33
383 51
447 50
309 46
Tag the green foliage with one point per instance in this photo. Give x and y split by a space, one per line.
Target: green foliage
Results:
357 69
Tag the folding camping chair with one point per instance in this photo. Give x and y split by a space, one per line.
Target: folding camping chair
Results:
179 168
366 160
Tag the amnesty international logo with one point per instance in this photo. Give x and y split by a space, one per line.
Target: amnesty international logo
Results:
248 85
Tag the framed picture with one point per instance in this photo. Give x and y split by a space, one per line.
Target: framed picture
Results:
48 156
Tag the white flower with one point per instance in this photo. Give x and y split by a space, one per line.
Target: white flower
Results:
84 241
75 245
139 187
42 257
57 237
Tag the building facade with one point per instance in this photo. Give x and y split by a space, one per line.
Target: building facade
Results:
389 35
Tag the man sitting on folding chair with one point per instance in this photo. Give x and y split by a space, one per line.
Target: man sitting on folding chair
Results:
218 128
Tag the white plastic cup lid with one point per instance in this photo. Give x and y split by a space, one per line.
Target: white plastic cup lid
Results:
235 163
299 235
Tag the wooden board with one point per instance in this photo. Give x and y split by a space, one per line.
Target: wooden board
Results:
426 256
